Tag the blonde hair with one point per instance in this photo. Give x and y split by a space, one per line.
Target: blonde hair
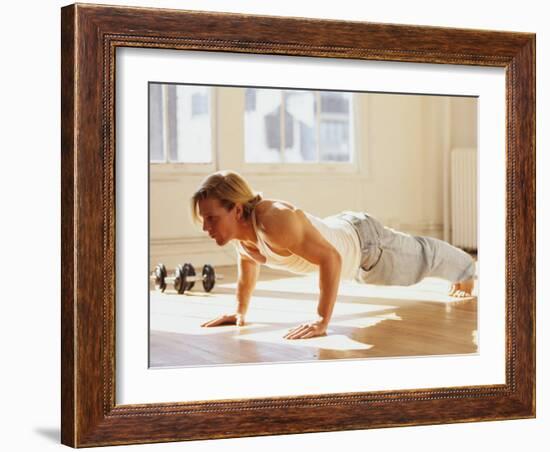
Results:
230 189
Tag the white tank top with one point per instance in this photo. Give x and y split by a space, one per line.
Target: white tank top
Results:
339 233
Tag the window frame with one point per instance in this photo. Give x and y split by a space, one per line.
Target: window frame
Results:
167 167
353 166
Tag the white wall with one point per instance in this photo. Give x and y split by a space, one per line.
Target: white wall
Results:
400 143
30 391
464 123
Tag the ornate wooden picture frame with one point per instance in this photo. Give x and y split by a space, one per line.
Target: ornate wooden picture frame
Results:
90 36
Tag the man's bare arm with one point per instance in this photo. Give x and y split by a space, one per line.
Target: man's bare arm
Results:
248 275
248 271
290 229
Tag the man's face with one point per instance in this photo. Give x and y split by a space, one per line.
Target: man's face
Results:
219 223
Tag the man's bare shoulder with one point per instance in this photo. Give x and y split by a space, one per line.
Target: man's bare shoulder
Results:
272 214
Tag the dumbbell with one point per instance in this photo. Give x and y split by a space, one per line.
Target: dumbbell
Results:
178 279
208 277
184 278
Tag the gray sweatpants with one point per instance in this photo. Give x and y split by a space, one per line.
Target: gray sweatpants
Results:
390 257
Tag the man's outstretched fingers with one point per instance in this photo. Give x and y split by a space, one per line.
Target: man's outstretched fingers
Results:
295 333
223 320
307 331
211 323
312 333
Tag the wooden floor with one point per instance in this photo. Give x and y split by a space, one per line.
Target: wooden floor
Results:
368 321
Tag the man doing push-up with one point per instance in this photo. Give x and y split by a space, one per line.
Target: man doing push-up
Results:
349 245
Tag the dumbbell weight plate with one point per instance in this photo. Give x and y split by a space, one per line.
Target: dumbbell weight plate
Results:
160 276
208 277
179 280
189 270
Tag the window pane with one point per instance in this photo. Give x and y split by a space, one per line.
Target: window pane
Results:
193 143
335 124
156 152
300 146
262 125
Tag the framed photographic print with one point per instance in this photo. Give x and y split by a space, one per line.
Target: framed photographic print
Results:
280 225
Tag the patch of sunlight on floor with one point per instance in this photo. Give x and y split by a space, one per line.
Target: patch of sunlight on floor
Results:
429 289
183 325
365 322
185 313
330 342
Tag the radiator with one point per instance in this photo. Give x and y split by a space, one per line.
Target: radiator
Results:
464 199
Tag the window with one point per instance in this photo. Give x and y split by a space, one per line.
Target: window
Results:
294 126
180 128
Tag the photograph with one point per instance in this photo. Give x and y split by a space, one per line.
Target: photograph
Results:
290 225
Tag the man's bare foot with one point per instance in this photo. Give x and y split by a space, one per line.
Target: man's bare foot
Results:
462 289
